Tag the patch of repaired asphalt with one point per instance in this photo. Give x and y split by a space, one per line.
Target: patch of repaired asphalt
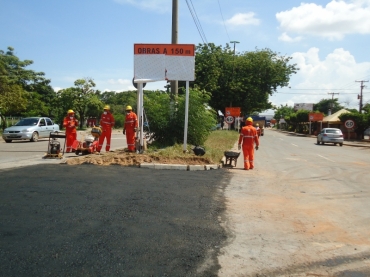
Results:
85 220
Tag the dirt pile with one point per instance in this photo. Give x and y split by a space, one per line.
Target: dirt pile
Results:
123 158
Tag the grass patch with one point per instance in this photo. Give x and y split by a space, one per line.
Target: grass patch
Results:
217 143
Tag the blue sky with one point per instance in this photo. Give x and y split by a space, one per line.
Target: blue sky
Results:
72 39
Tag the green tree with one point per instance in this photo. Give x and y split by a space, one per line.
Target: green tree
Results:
284 111
78 98
246 80
325 104
22 91
362 122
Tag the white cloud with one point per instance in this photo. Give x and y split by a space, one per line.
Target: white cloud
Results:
242 19
155 5
337 72
56 89
334 21
284 37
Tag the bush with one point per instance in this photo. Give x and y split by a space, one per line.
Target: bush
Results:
167 122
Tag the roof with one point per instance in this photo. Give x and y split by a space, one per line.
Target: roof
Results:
335 116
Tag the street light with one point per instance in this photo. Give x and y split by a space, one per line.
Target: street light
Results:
234 41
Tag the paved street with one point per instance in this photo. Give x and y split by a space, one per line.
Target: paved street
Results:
24 153
303 211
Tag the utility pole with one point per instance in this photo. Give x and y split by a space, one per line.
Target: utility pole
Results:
332 99
234 41
360 96
174 40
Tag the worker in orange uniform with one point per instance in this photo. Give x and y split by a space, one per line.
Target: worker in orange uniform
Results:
258 129
70 123
130 128
248 136
106 125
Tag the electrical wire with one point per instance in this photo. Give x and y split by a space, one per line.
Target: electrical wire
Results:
196 21
223 20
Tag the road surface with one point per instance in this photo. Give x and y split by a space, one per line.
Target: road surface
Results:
303 211
24 152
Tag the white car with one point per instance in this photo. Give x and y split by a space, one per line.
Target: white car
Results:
30 128
330 135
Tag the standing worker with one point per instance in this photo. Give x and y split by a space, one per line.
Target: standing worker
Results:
130 128
70 123
258 129
249 137
106 124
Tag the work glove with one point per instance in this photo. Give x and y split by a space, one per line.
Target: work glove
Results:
124 131
239 146
256 147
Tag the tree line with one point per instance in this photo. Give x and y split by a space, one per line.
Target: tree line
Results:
223 79
297 120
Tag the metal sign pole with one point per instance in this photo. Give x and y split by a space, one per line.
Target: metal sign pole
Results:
141 125
186 117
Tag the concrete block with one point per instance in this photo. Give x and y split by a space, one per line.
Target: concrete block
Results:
196 167
171 166
147 165
211 166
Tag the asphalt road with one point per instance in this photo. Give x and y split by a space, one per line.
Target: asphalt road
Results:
24 153
59 220
303 211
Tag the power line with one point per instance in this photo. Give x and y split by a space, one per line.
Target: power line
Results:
196 21
223 20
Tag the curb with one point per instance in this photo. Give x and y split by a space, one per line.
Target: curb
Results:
181 166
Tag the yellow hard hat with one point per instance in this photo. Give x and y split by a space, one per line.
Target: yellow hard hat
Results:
70 111
249 119
128 108
106 107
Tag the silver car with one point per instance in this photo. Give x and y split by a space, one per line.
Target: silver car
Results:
330 135
30 128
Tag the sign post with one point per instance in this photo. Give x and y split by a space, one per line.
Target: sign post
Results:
349 124
159 62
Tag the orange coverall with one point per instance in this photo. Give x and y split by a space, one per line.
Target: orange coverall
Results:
130 125
106 125
70 123
248 136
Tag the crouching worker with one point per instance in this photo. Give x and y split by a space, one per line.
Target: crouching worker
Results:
248 137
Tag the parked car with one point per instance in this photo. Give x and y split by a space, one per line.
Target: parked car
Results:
330 135
30 128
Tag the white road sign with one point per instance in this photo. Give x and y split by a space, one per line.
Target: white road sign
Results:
229 119
349 124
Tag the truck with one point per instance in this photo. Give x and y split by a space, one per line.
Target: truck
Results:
261 120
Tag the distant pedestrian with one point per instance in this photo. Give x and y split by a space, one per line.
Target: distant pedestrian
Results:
258 129
248 137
